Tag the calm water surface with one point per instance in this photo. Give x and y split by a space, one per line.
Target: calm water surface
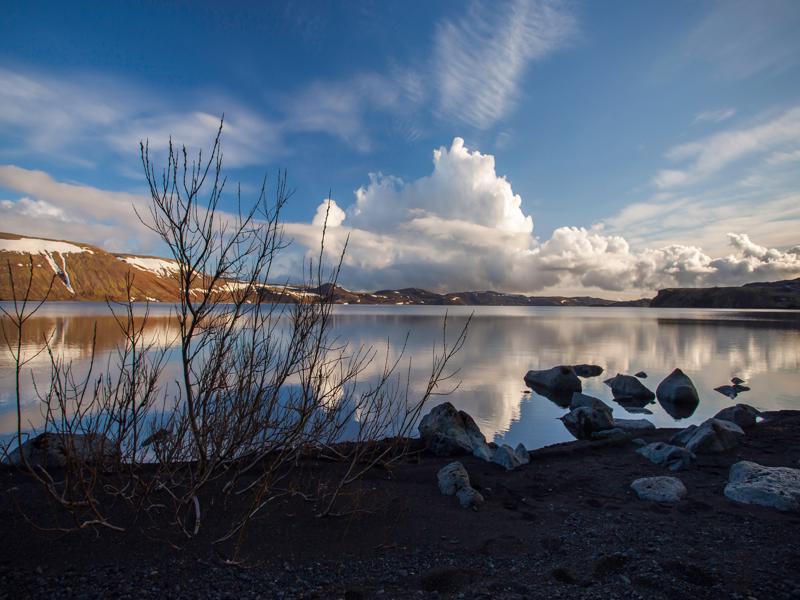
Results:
711 346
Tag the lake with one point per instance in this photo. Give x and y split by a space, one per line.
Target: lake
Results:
503 343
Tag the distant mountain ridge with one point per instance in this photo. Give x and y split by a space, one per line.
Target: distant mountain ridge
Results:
86 272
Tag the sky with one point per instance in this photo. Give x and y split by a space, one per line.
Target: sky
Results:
542 147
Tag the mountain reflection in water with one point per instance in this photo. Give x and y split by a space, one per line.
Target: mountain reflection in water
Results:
503 343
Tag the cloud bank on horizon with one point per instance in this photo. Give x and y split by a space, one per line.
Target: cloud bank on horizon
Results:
462 228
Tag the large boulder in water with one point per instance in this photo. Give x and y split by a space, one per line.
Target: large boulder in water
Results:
628 386
56 450
677 389
583 421
447 431
714 435
579 400
559 381
587 370
775 487
743 415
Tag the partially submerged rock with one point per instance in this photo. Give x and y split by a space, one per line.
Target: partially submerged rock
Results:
511 458
558 381
583 421
678 390
56 450
634 425
579 400
714 435
743 415
447 431
727 390
628 386
659 489
775 487
587 370
674 458
637 410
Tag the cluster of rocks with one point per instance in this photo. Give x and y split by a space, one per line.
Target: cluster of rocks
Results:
447 431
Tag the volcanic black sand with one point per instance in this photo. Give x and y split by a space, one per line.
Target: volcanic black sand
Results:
565 526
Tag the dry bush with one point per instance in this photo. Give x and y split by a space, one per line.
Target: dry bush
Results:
261 386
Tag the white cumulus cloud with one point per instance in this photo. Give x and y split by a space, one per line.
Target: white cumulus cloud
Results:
462 227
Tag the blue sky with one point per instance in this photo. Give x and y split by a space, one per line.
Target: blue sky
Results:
582 146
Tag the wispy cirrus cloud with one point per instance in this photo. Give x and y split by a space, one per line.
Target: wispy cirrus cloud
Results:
709 155
714 116
740 38
481 57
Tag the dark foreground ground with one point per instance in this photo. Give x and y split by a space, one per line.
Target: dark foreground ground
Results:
565 526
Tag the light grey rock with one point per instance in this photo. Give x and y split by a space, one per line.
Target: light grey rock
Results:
55 450
579 400
560 380
628 386
587 370
674 458
582 422
469 497
484 452
659 489
452 477
634 425
678 389
714 435
447 431
743 415
522 454
774 487
507 457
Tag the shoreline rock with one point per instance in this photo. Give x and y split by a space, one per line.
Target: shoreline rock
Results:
773 487
659 489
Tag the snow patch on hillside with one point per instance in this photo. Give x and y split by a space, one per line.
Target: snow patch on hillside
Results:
158 266
39 246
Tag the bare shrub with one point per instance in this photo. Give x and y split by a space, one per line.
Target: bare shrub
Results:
262 385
